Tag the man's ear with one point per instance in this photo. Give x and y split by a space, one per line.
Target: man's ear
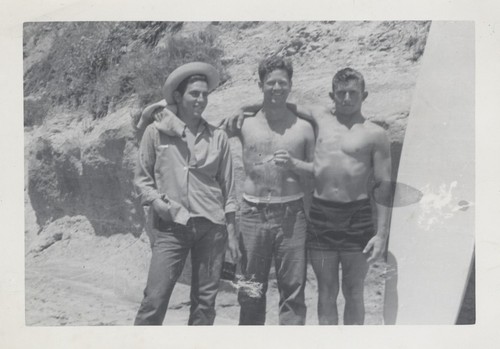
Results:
177 97
260 84
365 94
331 95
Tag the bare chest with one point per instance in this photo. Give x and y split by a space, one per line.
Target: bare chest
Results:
336 139
262 140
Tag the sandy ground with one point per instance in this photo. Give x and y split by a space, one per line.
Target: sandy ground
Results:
82 280
80 294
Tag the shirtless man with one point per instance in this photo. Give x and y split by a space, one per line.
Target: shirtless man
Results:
278 149
350 151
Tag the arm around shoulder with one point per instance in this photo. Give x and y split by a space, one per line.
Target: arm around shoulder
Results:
148 113
310 113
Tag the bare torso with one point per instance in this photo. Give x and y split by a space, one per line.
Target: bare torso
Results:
260 139
343 158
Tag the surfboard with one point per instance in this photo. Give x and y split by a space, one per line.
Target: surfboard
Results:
431 242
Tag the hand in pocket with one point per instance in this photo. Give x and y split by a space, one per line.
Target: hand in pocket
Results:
162 208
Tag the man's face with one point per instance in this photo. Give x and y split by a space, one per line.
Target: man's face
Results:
276 87
348 97
194 100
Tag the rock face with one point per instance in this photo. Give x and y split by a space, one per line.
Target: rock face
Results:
86 173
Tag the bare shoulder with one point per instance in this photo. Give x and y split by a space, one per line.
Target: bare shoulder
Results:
377 133
318 111
323 114
373 128
303 125
251 129
250 124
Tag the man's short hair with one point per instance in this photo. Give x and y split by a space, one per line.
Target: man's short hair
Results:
348 74
273 63
181 88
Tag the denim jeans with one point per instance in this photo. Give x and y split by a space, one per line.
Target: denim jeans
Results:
279 231
207 242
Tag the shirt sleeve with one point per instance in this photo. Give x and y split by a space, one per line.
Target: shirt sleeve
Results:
144 173
225 176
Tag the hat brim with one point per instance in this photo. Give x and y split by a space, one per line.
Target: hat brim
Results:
185 71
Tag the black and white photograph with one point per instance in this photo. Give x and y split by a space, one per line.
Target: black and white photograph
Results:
291 193
322 174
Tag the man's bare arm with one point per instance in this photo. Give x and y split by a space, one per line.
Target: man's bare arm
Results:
148 113
306 112
164 117
233 252
232 124
382 172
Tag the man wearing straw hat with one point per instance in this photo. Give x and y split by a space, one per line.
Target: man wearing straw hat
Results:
189 184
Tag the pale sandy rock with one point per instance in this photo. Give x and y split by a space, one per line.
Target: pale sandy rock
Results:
76 227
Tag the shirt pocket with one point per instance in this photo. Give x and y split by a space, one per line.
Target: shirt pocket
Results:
167 166
165 155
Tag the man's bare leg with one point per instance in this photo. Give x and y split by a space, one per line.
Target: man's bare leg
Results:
354 270
326 267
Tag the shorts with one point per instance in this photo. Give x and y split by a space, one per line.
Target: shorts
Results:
339 226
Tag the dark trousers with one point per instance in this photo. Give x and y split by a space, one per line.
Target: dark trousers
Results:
279 231
207 242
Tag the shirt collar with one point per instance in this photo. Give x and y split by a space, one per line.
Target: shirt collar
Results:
204 125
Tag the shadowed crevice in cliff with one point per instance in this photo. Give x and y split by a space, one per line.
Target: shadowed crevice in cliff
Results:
107 181
91 176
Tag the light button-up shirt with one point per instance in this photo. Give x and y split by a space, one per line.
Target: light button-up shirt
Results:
196 182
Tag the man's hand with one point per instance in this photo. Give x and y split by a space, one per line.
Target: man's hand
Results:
283 159
147 114
161 113
233 253
232 124
168 123
163 209
377 246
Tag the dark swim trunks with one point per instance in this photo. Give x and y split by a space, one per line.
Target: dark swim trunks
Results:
339 226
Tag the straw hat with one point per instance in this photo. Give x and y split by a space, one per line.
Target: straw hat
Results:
185 71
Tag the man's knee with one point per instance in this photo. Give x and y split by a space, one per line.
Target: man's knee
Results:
328 294
155 298
251 299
